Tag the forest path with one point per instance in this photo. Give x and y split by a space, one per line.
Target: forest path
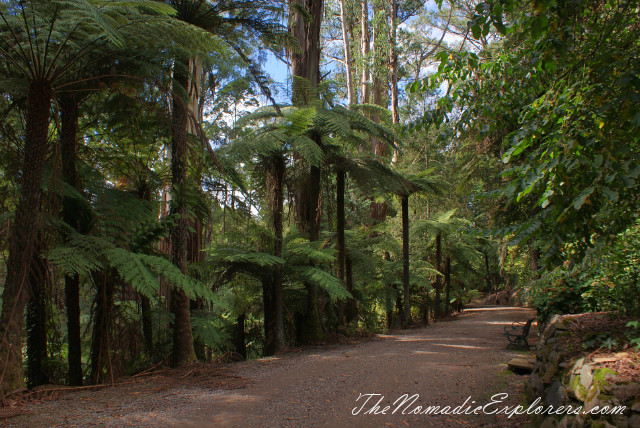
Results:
444 363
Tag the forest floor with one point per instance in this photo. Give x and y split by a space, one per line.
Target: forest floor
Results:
444 363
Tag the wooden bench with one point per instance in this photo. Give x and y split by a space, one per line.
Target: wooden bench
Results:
517 333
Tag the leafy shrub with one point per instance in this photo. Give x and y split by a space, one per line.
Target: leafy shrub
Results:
557 292
608 279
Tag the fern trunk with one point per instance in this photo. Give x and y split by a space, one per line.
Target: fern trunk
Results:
101 333
144 193
239 340
36 321
340 247
406 310
70 215
147 325
438 286
23 236
486 266
447 282
352 308
183 351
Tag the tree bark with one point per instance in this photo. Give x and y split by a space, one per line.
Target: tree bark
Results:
183 351
23 236
71 215
36 321
488 278
239 341
147 325
309 218
306 63
352 308
269 314
393 70
379 75
101 369
534 262
274 302
438 268
447 281
340 245
406 313
348 65
364 42
305 67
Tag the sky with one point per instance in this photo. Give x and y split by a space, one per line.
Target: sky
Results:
279 71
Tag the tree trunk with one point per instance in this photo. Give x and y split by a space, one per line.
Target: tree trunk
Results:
393 70
438 268
447 282
534 262
340 246
364 42
486 265
239 341
269 314
23 236
305 64
274 302
36 321
183 351
147 325
71 210
351 311
378 73
305 67
309 218
406 313
101 369
347 55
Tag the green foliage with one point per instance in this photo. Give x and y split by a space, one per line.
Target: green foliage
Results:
634 335
564 108
212 329
606 280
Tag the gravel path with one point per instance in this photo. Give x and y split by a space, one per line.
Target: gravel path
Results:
444 363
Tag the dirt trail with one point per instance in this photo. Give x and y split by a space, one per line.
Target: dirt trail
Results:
444 363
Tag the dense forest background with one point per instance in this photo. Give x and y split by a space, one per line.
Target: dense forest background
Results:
162 200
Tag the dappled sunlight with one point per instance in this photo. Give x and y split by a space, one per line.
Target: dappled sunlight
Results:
427 352
236 397
411 339
431 339
461 346
496 308
268 359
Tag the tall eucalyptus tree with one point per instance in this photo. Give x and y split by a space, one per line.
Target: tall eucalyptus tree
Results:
235 23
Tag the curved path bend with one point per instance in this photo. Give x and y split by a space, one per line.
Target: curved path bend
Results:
443 363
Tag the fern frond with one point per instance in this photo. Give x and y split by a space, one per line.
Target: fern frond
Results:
301 251
313 275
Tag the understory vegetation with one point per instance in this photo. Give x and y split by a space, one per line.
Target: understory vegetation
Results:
163 200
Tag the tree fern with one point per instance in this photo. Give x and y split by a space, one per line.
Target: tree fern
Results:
320 278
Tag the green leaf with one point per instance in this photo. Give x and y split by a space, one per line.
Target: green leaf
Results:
580 200
610 194
476 31
324 280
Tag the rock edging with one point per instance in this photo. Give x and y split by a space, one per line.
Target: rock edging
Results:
560 378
